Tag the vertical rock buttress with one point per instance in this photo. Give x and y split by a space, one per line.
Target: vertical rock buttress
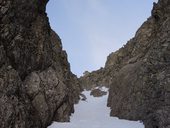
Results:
36 84
140 88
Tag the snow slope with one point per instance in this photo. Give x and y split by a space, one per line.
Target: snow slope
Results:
93 113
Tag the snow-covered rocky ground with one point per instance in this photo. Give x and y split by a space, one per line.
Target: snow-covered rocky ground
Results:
93 113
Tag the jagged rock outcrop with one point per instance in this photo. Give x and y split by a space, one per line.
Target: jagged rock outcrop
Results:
36 85
99 78
140 89
139 72
98 92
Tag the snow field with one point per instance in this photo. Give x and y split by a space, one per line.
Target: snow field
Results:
93 113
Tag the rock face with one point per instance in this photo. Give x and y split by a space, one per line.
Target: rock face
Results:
101 77
139 73
36 85
140 88
98 93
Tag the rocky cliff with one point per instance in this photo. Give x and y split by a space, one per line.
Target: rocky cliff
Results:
36 85
99 78
139 73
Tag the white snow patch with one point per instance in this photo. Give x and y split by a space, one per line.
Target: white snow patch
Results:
93 113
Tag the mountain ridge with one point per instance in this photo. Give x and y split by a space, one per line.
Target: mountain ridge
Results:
138 73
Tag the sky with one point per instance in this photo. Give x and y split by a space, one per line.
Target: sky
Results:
91 29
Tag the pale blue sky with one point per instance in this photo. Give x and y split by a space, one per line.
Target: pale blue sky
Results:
91 29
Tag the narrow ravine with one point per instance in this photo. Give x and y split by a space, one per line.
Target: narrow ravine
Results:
93 113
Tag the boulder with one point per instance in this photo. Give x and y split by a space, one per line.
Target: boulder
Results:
98 93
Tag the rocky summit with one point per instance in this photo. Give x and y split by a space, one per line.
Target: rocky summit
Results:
36 84
138 74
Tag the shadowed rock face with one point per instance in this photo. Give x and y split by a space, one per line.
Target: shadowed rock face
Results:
98 93
36 85
140 89
94 79
139 73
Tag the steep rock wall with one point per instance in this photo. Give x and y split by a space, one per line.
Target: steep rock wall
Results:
36 85
140 89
